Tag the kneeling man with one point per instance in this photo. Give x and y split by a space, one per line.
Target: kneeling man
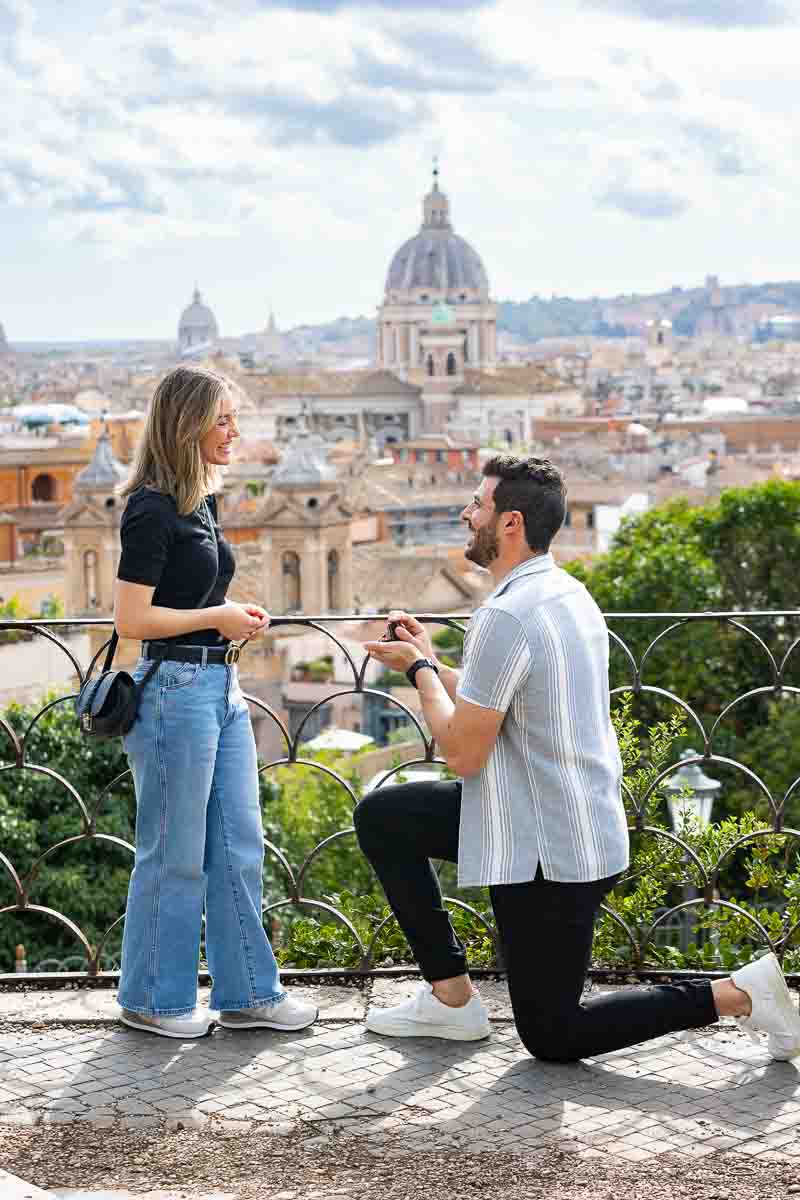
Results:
537 814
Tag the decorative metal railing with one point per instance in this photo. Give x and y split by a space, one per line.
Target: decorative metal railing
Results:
740 671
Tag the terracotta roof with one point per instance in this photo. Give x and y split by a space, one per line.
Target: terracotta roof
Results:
385 383
386 577
328 383
508 380
438 441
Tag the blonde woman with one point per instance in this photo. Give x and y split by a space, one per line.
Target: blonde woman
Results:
199 840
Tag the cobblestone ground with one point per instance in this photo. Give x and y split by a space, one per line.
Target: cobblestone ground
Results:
695 1095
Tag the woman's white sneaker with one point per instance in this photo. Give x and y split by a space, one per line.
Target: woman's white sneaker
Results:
189 1025
288 1014
773 1010
425 1016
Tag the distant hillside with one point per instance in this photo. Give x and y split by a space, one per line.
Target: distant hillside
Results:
736 310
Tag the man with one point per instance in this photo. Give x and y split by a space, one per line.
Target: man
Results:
537 814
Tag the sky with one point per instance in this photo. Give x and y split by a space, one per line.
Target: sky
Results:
275 152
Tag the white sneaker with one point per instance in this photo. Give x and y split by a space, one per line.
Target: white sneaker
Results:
288 1014
190 1025
773 1010
425 1016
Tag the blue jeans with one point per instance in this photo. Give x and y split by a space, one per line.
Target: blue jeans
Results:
199 841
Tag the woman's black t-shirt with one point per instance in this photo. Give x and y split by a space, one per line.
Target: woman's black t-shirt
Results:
183 558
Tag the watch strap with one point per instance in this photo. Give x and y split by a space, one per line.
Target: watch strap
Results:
411 673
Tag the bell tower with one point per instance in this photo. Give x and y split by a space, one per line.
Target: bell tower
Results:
307 539
91 534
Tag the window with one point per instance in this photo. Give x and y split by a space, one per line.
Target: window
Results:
44 488
90 579
292 595
451 363
333 581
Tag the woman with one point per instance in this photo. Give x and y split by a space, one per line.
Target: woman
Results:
199 837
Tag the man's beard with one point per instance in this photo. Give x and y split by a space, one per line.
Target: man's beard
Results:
483 549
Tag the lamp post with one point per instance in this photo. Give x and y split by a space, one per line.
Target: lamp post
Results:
690 790
702 788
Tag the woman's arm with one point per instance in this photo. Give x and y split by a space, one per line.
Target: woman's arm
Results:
135 616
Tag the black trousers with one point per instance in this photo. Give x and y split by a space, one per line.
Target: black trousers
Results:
545 929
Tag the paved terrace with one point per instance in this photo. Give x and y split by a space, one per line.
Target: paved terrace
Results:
335 1112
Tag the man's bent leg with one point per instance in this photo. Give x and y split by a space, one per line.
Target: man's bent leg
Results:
546 930
400 829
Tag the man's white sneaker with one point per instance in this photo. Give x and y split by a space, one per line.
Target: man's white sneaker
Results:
773 1011
425 1016
288 1014
189 1025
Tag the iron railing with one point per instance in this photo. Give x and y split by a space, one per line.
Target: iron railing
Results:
755 651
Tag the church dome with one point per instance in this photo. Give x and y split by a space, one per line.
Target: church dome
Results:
437 258
197 324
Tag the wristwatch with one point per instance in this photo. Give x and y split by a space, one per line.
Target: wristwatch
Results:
411 673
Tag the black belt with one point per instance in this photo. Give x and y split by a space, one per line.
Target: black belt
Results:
227 655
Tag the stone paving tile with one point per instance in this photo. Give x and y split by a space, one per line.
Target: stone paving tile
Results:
639 1103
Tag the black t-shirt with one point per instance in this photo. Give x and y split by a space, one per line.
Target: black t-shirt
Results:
181 557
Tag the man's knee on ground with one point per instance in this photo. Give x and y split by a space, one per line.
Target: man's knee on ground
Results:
550 1044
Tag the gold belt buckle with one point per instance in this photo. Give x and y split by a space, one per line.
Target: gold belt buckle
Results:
232 654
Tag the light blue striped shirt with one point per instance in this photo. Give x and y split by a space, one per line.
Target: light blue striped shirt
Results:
550 791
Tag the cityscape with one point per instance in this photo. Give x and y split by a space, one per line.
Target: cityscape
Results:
679 394
412 236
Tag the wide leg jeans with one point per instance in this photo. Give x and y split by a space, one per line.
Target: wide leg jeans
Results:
199 846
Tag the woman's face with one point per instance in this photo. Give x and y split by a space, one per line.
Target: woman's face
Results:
216 447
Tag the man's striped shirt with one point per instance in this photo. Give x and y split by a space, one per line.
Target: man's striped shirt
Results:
549 793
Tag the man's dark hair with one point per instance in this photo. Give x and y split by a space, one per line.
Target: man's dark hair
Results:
533 487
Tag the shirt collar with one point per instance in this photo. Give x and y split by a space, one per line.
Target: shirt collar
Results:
531 566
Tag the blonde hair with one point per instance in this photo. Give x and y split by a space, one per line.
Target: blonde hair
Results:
184 408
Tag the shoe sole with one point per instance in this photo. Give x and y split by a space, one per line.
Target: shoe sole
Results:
450 1033
781 1056
787 1008
267 1024
164 1032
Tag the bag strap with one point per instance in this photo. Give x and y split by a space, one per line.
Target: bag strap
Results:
112 649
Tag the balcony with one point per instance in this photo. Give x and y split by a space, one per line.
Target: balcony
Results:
696 899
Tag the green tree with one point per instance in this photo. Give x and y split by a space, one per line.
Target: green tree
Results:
735 554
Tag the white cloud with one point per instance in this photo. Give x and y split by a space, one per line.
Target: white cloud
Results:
593 149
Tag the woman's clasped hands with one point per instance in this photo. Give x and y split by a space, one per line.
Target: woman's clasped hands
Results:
241 622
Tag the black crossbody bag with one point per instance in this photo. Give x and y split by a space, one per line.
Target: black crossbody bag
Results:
106 707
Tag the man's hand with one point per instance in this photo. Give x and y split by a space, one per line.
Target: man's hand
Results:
412 631
397 655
